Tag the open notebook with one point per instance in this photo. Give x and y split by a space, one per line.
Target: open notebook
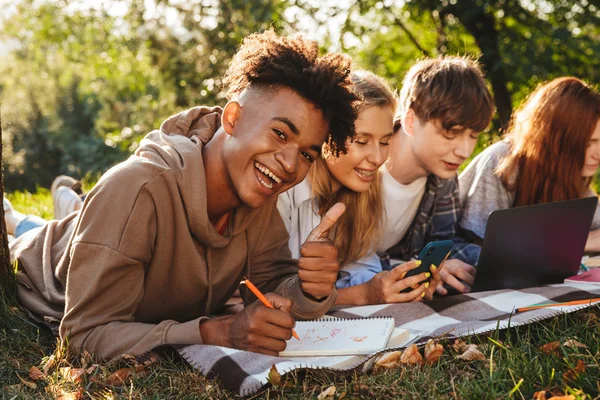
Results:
336 337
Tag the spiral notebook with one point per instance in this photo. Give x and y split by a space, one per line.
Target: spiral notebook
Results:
337 337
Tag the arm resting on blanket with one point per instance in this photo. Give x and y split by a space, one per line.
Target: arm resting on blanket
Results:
103 291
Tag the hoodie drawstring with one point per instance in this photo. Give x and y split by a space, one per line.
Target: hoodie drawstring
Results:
248 262
209 277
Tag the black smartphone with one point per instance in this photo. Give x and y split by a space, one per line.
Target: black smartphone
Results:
433 253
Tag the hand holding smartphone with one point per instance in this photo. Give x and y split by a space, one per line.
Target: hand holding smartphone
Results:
433 253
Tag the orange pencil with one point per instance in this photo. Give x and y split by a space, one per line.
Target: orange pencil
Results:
566 303
262 299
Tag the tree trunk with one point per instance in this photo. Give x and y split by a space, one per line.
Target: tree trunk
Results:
7 278
483 28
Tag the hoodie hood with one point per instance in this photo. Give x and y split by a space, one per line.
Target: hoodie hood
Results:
178 145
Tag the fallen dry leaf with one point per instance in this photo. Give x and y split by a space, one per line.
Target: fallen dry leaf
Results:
72 374
329 392
91 369
541 395
574 343
389 360
49 364
120 376
566 397
274 377
551 348
433 352
13 388
471 353
411 356
29 384
78 395
573 373
459 346
36 374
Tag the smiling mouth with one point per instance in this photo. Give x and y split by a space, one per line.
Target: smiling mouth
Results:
453 165
270 179
365 173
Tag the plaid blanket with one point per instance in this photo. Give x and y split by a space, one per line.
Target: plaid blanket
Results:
463 315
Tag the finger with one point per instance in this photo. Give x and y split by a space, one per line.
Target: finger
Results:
465 273
400 271
277 332
279 302
317 290
318 264
323 249
455 283
430 289
274 317
421 295
411 281
317 277
327 222
441 290
271 346
435 274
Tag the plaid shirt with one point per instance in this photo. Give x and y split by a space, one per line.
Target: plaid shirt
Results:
437 219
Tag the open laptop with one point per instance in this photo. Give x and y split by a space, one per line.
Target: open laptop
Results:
534 245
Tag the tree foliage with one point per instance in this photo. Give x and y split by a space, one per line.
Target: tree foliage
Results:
81 85
520 44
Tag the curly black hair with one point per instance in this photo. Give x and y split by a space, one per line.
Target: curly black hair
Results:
294 62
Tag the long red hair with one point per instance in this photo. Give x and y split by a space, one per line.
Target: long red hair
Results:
548 135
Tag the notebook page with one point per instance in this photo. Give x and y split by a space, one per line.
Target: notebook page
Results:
339 337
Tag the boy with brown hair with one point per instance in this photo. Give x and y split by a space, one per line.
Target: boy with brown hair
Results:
165 237
444 105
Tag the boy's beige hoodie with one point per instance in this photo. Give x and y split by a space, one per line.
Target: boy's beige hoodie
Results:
141 264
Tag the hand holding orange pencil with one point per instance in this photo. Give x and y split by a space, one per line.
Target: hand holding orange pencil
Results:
262 298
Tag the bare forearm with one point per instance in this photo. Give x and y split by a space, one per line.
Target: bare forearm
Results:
353 295
593 242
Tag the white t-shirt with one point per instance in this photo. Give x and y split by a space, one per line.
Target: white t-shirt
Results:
401 203
299 213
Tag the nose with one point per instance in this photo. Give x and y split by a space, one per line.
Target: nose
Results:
596 152
288 158
377 155
464 146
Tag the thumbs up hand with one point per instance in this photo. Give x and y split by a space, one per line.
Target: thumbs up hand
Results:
318 264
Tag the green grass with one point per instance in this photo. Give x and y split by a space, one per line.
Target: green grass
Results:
515 365
518 369
38 203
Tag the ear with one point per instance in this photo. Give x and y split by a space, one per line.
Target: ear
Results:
408 122
231 115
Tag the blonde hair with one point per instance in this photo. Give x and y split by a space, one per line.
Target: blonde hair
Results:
359 229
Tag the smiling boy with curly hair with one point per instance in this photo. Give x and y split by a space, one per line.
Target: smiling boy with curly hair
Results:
162 241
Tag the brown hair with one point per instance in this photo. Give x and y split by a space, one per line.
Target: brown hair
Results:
359 229
548 137
272 60
450 89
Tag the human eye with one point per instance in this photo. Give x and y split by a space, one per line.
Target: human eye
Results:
448 135
307 156
279 133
